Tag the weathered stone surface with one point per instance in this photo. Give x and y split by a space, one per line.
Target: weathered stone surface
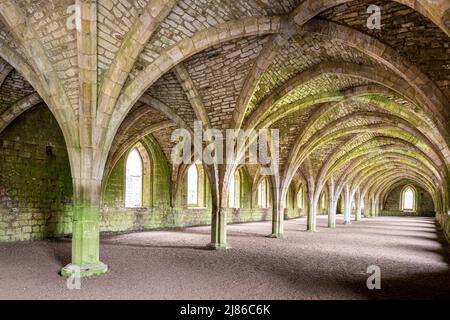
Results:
359 111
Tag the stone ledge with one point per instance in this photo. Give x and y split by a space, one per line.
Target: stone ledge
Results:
89 270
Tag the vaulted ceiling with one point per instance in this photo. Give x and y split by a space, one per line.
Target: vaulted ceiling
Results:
363 107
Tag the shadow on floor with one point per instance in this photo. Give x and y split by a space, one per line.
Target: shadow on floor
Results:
320 280
153 246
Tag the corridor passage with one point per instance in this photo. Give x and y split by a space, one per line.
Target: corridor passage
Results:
329 264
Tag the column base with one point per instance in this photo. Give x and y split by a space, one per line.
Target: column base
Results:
276 236
311 229
332 226
89 270
347 222
218 246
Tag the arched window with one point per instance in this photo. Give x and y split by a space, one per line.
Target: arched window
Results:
322 201
263 194
192 185
289 200
133 183
408 199
300 199
234 191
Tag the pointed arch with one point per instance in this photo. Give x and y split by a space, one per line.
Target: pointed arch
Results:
408 199
192 185
235 191
263 193
134 174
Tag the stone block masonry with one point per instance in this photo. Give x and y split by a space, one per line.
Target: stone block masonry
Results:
36 197
35 181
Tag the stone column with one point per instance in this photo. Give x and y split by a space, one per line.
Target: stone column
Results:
277 212
372 207
446 225
332 215
366 207
219 229
332 206
85 231
377 206
358 206
347 206
216 175
87 165
445 216
312 213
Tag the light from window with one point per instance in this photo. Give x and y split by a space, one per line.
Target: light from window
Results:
133 188
300 199
286 200
237 190
323 201
262 194
408 199
232 193
192 193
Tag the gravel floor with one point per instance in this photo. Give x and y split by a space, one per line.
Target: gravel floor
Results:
330 264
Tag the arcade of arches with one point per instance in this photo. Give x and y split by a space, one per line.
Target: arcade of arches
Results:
91 91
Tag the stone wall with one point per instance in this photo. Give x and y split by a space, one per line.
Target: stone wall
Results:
114 217
35 182
36 189
425 206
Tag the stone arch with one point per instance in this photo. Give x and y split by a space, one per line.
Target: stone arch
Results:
268 191
203 188
433 10
139 153
17 109
307 149
358 155
156 174
45 80
381 53
383 78
174 55
399 149
409 190
35 178
391 197
353 38
384 178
